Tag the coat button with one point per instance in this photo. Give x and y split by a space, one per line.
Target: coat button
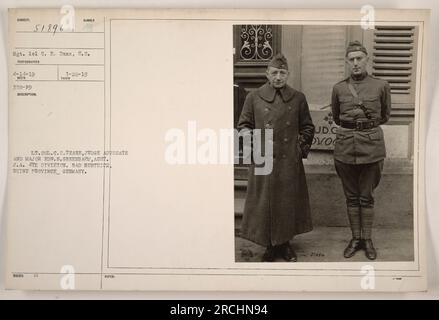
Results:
286 139
290 108
288 123
267 125
266 109
284 156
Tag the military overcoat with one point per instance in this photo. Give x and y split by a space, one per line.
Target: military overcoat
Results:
277 204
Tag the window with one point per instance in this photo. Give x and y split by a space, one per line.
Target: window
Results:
393 58
255 43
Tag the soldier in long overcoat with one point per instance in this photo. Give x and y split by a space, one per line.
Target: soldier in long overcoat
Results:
277 204
360 104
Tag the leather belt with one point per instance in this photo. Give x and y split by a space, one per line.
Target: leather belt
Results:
359 125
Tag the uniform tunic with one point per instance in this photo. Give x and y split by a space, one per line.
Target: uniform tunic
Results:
360 146
277 204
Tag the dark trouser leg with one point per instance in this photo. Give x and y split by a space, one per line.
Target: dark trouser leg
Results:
349 175
369 179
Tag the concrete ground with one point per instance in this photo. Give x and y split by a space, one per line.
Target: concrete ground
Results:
326 244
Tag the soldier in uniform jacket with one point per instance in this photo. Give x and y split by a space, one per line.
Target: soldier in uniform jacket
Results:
360 104
277 204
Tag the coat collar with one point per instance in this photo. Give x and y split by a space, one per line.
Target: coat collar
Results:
268 93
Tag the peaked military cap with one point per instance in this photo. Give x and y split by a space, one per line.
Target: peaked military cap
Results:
355 46
279 61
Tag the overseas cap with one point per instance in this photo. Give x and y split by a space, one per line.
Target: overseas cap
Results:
355 46
279 61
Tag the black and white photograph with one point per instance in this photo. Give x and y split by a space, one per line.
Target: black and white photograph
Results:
338 102
253 150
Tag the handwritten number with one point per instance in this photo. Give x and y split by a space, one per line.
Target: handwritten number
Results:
48 28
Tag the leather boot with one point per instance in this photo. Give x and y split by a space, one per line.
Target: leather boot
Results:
269 254
367 215
355 224
287 252
353 246
370 251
